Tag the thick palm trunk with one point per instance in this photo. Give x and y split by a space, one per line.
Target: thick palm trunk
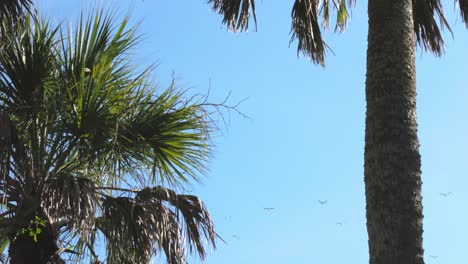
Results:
25 249
392 160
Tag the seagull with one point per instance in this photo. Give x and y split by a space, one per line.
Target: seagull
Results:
268 208
339 223
434 257
322 202
445 194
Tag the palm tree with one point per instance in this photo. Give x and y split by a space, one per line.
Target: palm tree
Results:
392 161
87 146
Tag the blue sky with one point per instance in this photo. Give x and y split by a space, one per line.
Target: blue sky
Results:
304 140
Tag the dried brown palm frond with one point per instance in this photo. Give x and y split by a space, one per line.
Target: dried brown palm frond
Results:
463 5
426 28
236 13
72 201
156 220
133 232
198 223
305 28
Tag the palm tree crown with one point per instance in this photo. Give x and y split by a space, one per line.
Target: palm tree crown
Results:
80 126
306 24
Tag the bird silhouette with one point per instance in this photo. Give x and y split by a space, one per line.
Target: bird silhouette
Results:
268 208
322 202
236 237
339 223
445 194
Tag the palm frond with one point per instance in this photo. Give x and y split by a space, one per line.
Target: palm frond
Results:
342 15
157 219
169 130
426 28
4 242
463 5
71 200
236 13
98 80
305 28
198 223
13 9
25 66
128 229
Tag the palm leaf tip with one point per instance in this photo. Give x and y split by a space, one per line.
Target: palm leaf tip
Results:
463 5
236 13
342 13
305 28
426 28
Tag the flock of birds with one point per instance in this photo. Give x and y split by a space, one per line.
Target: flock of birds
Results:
324 202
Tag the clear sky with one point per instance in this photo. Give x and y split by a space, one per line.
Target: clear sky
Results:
304 140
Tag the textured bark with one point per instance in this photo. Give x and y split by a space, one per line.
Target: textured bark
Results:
392 161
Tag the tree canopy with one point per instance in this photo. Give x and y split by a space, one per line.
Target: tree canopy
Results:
89 147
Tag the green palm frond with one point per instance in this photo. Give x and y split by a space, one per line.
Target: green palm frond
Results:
99 80
4 242
169 130
426 28
342 15
236 13
111 110
25 66
13 9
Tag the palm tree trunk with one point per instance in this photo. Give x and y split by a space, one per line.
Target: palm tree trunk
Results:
24 249
392 165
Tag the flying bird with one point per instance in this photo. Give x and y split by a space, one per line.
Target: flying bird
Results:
339 223
268 208
445 194
236 237
322 202
434 257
